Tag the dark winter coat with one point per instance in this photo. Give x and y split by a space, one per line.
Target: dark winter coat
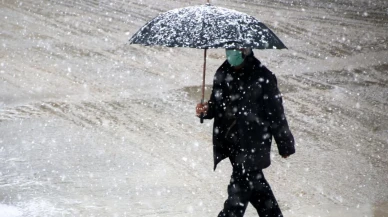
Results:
247 110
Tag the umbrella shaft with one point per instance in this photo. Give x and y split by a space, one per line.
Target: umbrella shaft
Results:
203 76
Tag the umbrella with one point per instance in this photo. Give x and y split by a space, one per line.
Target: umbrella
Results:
204 27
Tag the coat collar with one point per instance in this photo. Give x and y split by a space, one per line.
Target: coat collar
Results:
250 65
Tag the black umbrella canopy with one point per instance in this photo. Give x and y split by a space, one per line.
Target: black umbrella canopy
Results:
207 26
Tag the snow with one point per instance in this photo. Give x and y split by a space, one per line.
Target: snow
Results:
93 126
9 211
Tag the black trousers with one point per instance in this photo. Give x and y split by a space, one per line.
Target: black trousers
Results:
250 187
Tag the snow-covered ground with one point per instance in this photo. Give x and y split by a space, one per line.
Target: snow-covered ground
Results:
92 126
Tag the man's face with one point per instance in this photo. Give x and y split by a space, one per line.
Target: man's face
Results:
234 57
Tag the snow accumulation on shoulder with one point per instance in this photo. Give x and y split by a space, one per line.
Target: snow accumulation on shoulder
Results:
9 211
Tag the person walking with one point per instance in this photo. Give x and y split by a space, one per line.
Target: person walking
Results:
247 108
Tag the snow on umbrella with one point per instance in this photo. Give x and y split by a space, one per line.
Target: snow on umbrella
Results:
204 27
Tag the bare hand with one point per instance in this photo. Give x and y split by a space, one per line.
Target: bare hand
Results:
285 156
201 108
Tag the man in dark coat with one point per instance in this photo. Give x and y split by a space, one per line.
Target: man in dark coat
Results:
247 108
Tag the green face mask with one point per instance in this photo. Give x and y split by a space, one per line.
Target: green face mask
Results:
234 57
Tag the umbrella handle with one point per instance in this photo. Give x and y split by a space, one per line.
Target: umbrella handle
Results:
202 114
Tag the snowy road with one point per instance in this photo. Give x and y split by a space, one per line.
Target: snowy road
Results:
91 126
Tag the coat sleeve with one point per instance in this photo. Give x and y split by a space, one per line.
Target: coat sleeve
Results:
217 92
275 112
215 95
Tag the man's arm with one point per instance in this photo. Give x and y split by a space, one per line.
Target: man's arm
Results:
275 113
206 108
210 107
